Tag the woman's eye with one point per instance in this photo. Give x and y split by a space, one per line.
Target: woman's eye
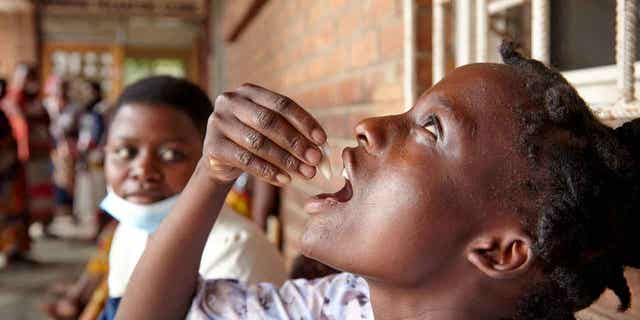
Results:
170 155
124 153
433 125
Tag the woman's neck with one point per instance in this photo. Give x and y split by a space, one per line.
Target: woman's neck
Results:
448 299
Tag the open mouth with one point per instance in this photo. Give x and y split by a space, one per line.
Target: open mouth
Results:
325 201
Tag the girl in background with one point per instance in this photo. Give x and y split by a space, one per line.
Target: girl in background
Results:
153 144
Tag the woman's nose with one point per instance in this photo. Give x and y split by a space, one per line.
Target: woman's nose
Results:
370 133
143 168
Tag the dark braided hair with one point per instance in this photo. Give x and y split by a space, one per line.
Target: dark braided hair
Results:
171 92
585 182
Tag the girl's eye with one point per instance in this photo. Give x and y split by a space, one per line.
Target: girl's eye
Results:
124 153
433 125
170 155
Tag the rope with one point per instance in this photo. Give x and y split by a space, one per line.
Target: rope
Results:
463 32
438 41
482 30
626 47
621 110
540 30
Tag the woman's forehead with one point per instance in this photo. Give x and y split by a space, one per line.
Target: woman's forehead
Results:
483 87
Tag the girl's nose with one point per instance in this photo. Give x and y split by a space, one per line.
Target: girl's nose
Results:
143 168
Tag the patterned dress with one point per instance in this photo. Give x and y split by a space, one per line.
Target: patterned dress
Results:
337 297
39 167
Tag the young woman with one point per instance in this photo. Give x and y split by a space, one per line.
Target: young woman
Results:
497 196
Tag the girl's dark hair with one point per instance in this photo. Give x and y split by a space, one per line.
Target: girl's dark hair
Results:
172 92
96 93
587 191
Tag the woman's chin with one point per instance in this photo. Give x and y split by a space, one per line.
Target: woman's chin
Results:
314 240
319 240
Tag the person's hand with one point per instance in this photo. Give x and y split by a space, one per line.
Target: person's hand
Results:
263 133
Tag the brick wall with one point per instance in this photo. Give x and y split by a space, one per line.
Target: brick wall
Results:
18 40
340 59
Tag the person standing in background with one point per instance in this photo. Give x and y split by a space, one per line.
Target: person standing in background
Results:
22 91
39 166
64 129
13 229
90 166
29 123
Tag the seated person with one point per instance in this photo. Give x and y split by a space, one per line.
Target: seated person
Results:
154 142
499 195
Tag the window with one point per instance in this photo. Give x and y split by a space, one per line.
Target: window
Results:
138 68
583 33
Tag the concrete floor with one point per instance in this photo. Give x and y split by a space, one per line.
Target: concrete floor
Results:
23 287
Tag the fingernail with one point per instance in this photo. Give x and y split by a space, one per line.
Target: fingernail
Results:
318 136
307 171
282 178
312 155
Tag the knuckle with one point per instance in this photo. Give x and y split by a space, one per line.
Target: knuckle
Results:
266 171
295 142
282 103
290 162
244 157
265 119
255 140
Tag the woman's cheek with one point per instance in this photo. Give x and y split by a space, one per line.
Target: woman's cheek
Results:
114 174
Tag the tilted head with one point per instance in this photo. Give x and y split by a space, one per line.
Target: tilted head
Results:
498 179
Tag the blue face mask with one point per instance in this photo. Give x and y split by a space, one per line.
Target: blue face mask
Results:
144 217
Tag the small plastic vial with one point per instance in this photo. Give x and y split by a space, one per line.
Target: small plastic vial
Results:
325 163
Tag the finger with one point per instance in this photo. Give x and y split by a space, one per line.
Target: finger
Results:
261 146
230 153
289 109
277 129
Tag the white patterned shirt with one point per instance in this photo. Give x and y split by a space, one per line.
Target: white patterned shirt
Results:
235 249
337 297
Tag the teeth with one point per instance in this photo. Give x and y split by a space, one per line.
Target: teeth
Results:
344 174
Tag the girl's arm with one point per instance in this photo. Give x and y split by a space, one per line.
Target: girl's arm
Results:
253 130
165 279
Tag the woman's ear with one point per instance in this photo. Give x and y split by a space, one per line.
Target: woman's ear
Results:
501 254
